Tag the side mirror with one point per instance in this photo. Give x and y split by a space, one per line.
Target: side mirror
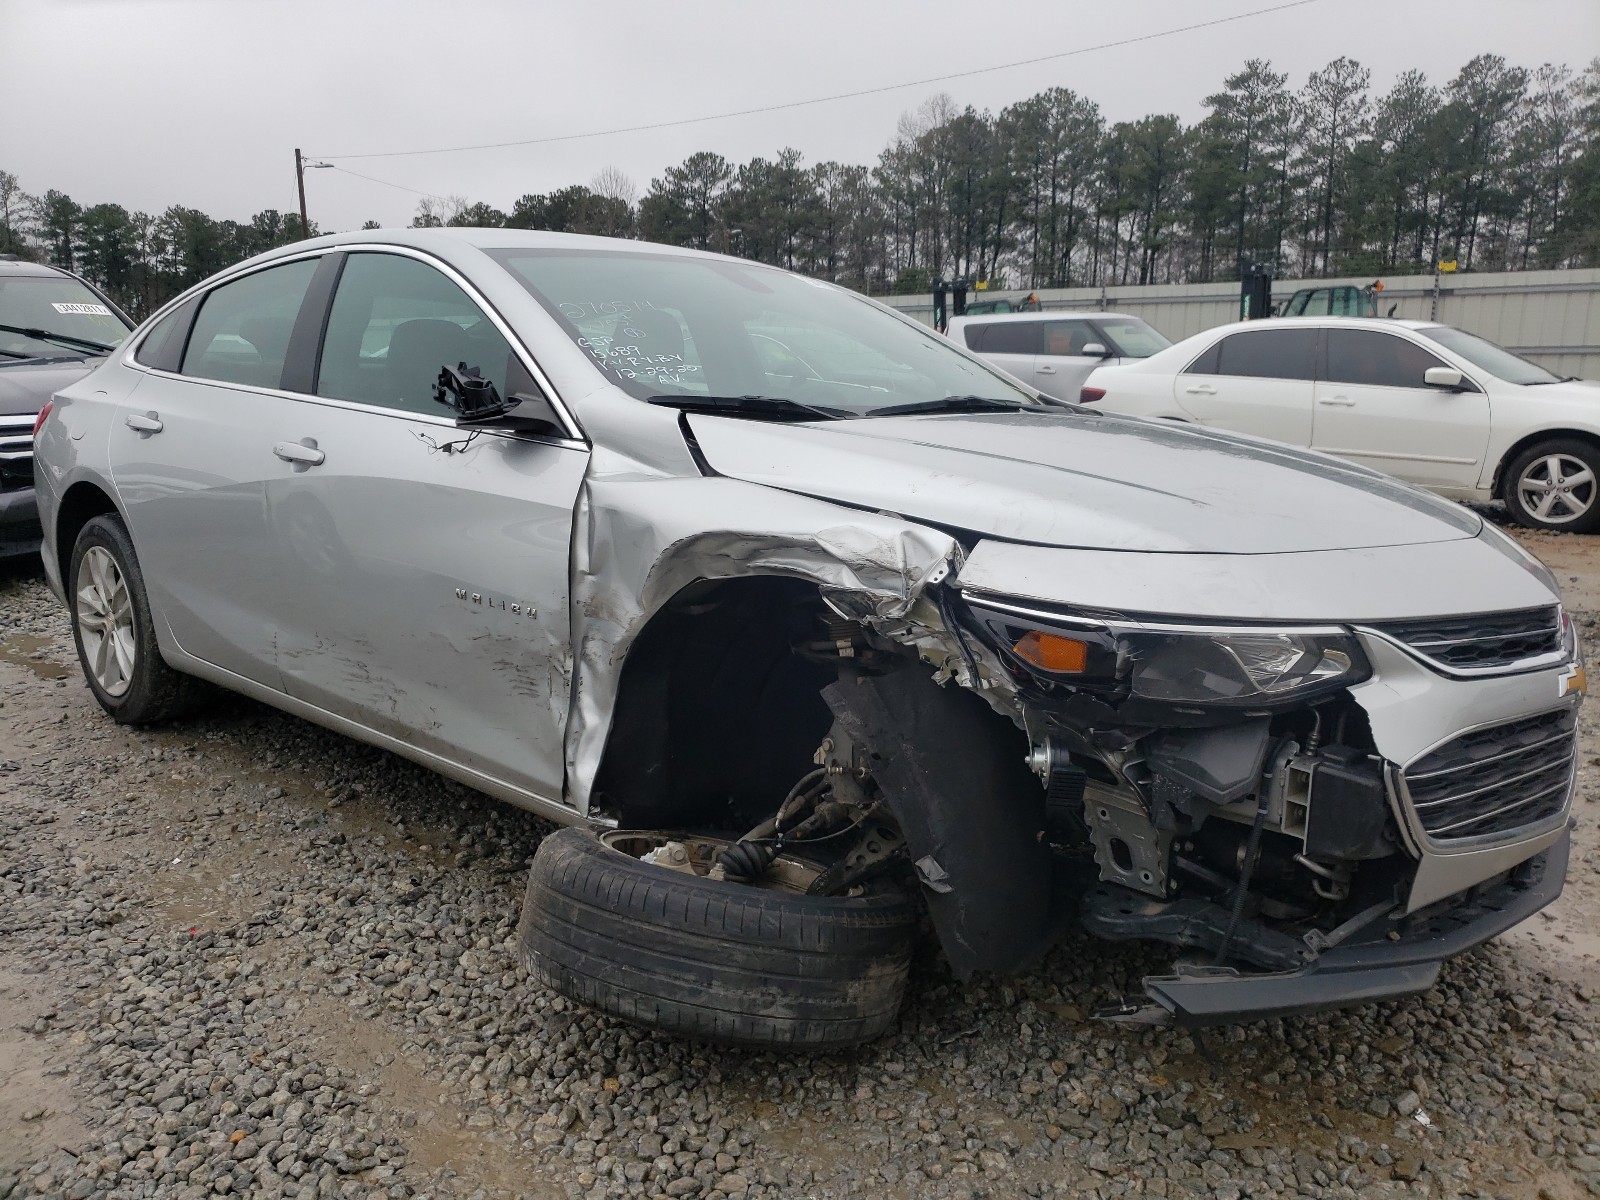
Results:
1096 350
465 391
1443 377
535 414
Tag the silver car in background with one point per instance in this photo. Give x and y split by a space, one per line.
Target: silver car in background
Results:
1056 352
800 618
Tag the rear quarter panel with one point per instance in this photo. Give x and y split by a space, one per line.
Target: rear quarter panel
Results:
73 448
1133 390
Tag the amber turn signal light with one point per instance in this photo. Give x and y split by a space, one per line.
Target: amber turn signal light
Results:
1049 652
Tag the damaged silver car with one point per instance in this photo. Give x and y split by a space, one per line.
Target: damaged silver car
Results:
803 621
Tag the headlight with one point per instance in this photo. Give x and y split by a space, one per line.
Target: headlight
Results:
1239 667
1165 663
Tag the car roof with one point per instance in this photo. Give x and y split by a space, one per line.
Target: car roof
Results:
1058 315
495 238
1325 321
22 269
447 243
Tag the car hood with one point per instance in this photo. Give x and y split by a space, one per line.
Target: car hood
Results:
1088 480
25 386
1581 391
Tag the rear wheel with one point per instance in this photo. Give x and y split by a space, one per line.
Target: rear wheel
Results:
1555 485
114 633
728 962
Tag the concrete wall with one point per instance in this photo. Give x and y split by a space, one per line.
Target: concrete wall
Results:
1551 317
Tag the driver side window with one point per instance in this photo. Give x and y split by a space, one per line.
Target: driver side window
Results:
395 323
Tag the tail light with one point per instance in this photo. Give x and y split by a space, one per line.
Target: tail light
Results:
44 413
1089 395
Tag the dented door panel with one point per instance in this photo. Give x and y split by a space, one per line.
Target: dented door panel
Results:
425 591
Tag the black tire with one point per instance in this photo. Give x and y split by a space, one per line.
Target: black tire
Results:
154 691
723 962
1562 514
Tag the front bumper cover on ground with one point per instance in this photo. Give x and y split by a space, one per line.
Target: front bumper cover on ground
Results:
1385 961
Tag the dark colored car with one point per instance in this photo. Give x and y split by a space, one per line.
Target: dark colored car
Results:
54 329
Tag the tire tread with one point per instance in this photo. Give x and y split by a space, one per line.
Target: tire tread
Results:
712 960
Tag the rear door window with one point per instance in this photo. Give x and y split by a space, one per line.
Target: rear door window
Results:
1268 354
1009 337
162 347
1372 359
395 324
242 332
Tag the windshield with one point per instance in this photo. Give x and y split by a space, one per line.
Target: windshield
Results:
1131 337
54 304
1501 363
665 325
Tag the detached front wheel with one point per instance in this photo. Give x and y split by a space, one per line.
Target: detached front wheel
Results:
1555 485
754 965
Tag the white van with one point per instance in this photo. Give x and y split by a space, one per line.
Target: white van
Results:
1056 351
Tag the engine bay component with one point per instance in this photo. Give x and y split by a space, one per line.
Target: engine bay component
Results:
746 861
1127 848
1064 782
1114 912
1348 815
674 856
877 846
1221 765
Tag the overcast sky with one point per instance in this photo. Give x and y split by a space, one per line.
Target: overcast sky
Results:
149 103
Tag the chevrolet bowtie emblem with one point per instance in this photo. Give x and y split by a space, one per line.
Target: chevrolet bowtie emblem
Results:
1573 680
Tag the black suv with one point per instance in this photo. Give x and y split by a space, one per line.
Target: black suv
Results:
54 329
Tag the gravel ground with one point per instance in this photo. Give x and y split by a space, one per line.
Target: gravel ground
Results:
241 955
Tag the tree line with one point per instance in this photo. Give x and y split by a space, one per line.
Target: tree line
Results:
1498 168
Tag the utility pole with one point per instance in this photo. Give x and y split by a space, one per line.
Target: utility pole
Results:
300 181
301 166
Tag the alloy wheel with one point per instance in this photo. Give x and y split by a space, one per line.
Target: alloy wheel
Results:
1557 488
105 621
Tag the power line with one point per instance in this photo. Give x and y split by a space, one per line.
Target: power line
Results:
371 179
873 91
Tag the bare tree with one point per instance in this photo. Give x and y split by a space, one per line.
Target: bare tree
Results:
434 211
613 184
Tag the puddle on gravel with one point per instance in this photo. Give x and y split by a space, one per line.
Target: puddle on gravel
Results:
28 651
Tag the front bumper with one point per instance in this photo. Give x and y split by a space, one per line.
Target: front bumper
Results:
1388 959
20 531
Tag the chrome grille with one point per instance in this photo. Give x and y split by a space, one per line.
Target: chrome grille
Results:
1495 780
1486 640
16 450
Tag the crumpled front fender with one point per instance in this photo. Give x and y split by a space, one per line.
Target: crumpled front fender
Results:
640 538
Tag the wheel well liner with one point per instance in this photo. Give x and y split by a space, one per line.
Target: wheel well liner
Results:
716 717
80 504
954 773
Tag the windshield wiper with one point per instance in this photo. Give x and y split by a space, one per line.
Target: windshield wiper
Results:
45 335
778 407
953 404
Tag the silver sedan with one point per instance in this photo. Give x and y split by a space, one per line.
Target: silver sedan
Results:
802 619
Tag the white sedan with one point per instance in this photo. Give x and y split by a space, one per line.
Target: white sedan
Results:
1433 405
